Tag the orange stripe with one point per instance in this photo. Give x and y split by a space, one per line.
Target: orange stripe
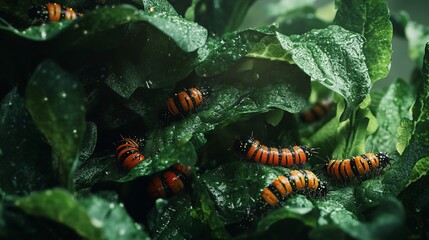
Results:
252 149
196 94
155 189
298 177
275 156
269 197
132 160
264 157
359 164
373 159
176 185
336 169
348 168
311 179
300 152
172 107
279 186
289 159
285 181
183 96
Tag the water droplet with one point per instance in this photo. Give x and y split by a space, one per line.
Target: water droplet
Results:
111 205
43 34
121 232
76 25
10 103
63 94
45 99
107 173
96 223
85 32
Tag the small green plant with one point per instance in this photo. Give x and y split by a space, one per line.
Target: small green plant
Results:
71 89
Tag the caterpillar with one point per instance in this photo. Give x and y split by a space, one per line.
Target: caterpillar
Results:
170 182
316 112
128 152
253 150
185 102
358 166
297 181
52 12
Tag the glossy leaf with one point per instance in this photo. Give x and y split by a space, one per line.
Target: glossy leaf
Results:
22 172
371 20
322 54
55 101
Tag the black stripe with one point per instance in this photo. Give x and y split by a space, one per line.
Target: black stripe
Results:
305 178
280 157
293 155
128 153
330 166
268 156
179 174
167 189
353 166
292 183
192 98
276 192
339 170
179 106
368 161
252 158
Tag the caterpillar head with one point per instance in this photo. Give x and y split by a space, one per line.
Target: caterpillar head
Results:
383 158
242 146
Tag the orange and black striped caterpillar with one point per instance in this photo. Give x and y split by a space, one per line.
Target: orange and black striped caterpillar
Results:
52 12
185 102
170 182
316 112
361 166
128 152
253 150
297 181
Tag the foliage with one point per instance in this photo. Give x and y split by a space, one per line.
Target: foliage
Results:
72 88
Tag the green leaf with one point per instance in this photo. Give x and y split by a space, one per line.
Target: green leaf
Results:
221 16
55 102
24 156
236 186
298 207
89 141
176 142
218 55
415 130
417 36
334 57
187 35
176 219
112 219
324 138
269 48
159 6
371 20
384 222
420 170
59 206
352 133
392 108
161 39
205 210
